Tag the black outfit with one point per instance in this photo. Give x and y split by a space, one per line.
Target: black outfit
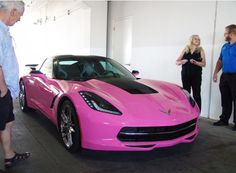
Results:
192 75
6 110
228 95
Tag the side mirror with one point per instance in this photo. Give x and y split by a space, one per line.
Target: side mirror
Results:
32 66
135 73
36 72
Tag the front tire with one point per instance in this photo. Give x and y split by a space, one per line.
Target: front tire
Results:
69 127
22 98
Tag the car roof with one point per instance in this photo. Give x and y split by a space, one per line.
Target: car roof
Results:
60 57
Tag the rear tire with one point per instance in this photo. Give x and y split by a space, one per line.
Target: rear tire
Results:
69 127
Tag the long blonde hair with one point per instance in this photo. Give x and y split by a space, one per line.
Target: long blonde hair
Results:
190 44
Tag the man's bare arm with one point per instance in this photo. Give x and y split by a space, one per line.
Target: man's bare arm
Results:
217 69
3 86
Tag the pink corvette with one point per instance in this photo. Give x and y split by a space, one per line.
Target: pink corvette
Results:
98 104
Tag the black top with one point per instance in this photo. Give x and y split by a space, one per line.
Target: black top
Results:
191 69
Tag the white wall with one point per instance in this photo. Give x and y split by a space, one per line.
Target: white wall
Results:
29 41
69 33
161 30
82 32
98 30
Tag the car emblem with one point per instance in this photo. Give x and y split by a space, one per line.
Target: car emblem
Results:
166 111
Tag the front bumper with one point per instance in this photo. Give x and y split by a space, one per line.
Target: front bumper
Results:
148 134
111 137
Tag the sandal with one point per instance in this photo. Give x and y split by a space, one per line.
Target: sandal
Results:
18 157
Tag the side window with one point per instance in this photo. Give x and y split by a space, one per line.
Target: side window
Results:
47 68
68 69
109 67
106 65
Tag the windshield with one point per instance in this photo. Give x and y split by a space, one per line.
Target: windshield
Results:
89 68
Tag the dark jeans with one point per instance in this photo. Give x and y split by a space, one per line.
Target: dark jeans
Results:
194 82
228 95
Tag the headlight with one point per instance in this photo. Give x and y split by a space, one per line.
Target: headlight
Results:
97 103
190 99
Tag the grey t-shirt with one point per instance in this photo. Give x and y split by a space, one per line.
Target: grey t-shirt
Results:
8 61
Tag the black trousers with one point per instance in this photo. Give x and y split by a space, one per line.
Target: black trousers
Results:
228 95
193 82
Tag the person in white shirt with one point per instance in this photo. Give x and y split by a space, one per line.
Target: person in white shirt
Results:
10 13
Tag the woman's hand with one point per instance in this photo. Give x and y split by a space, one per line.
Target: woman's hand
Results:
196 62
193 61
181 62
184 61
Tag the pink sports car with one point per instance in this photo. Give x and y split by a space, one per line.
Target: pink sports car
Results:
98 104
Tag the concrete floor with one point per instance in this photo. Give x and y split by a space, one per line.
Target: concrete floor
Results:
214 151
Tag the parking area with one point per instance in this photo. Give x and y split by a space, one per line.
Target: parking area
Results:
214 150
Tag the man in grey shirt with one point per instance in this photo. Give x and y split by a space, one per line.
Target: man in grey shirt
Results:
10 13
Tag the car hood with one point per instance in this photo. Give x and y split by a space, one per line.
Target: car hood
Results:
143 99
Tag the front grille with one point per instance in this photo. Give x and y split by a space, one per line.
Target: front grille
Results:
141 134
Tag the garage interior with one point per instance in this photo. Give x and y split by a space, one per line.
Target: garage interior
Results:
145 36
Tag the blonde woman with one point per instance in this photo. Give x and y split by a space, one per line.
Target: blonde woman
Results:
192 60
